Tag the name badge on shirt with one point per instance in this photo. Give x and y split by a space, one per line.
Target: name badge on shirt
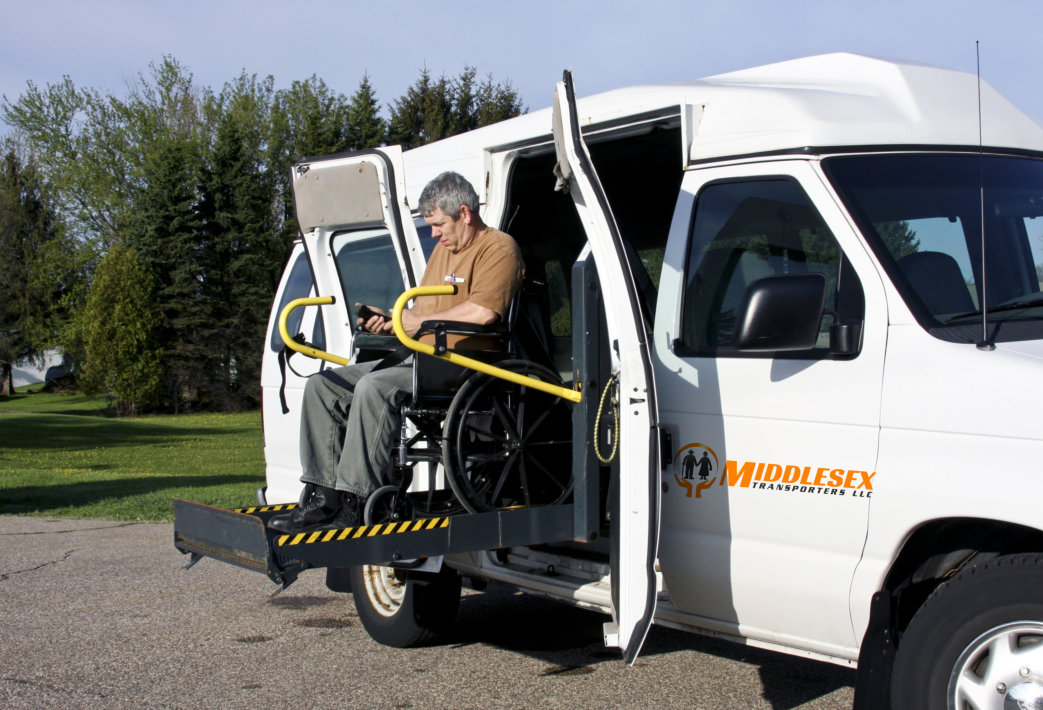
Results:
454 279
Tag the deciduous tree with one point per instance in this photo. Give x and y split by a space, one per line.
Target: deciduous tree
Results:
120 324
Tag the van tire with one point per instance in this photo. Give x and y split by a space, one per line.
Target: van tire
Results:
400 608
940 653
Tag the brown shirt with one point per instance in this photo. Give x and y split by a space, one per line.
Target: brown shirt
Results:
487 272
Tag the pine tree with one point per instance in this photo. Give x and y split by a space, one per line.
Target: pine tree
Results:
464 116
423 114
366 128
242 252
431 110
496 102
166 235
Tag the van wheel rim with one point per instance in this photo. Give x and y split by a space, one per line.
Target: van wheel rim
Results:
1002 668
384 589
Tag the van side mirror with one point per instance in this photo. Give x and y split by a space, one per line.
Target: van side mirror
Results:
781 313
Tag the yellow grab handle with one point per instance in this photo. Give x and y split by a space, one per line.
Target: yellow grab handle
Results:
284 315
463 361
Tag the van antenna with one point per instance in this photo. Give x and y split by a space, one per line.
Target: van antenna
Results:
985 343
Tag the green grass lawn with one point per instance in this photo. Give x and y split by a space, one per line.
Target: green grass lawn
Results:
60 456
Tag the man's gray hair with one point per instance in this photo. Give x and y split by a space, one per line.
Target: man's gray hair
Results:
447 192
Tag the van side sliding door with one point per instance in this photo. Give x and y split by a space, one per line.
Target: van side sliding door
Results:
634 548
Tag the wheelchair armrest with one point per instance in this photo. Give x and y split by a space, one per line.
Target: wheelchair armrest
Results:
441 328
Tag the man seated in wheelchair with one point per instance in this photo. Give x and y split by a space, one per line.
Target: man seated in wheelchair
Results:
350 416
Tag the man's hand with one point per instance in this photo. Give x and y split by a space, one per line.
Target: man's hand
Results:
411 322
372 319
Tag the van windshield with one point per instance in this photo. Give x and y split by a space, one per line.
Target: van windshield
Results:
922 215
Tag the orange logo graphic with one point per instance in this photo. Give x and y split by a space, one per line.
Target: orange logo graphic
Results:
697 469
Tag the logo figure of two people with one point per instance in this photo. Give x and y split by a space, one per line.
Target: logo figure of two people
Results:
689 463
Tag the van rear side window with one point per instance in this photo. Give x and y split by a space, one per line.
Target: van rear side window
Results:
744 231
300 284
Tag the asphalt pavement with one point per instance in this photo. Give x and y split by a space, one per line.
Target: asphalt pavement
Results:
102 615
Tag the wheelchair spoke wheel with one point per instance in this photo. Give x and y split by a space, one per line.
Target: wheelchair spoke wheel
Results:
506 445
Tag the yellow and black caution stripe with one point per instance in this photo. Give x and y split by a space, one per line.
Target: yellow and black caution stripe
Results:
362 531
266 508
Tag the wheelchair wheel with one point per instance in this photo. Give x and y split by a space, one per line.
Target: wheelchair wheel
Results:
506 445
385 505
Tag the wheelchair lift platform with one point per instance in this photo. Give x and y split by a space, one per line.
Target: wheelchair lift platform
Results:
241 537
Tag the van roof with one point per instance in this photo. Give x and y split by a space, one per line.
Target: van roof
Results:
826 101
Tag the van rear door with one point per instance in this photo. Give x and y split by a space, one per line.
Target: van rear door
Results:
635 539
358 232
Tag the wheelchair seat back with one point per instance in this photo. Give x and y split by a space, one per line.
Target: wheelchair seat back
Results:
522 335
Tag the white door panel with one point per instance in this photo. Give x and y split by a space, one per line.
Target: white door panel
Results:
768 539
634 547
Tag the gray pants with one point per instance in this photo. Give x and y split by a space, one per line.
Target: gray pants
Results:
349 421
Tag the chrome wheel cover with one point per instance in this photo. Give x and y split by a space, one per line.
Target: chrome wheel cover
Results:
1001 669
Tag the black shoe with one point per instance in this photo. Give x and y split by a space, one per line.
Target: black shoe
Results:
318 507
349 515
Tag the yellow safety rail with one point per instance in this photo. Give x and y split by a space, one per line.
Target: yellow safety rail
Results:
396 320
306 349
463 361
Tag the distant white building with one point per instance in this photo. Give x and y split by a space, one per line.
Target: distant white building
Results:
29 374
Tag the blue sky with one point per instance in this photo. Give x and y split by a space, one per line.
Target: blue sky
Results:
104 43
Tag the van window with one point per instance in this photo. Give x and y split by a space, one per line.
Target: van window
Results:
922 215
427 244
747 230
368 267
299 284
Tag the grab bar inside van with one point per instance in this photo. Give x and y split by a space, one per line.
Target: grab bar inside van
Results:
396 320
292 344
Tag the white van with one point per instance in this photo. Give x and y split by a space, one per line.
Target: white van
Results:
822 374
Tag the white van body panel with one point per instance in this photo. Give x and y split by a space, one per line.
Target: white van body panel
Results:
955 420
286 382
837 99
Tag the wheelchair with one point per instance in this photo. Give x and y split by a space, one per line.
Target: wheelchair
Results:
483 443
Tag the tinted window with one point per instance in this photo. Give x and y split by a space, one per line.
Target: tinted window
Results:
744 231
922 214
368 267
300 284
